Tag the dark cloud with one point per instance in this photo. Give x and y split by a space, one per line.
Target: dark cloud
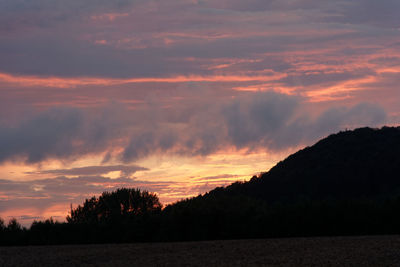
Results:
263 120
17 14
274 122
60 133
50 134
268 120
388 61
258 117
126 170
331 120
321 78
379 13
74 58
382 13
155 39
263 5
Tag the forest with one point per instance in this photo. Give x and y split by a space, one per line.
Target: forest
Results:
345 184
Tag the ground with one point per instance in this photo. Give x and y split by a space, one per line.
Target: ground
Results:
323 251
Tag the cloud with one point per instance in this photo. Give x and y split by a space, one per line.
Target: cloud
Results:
307 80
63 133
218 177
175 66
262 121
16 14
126 170
379 13
56 133
162 36
275 122
257 117
39 199
49 134
382 14
44 193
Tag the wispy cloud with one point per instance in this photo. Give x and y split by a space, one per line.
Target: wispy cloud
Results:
126 170
57 82
261 121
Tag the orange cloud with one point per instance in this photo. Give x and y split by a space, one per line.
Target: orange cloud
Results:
339 91
60 82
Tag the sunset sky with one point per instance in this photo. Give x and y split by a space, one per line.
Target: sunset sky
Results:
180 96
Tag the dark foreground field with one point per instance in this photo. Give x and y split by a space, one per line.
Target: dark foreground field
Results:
335 251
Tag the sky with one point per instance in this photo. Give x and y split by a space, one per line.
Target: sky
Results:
180 96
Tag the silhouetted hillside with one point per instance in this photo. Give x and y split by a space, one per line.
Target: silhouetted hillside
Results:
364 163
347 183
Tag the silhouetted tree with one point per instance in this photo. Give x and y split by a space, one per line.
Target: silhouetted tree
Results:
13 234
2 225
14 225
122 204
124 215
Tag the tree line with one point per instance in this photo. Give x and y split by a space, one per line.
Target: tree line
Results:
132 215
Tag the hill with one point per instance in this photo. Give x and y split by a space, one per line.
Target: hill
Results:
364 163
345 184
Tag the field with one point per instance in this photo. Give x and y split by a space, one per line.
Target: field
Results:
324 251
